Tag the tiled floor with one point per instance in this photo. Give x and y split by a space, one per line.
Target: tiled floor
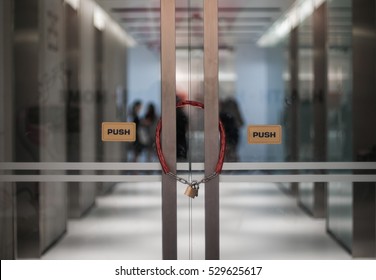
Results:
258 221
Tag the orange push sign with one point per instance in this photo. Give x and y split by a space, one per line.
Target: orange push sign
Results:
264 134
118 131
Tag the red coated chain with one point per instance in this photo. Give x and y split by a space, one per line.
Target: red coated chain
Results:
222 149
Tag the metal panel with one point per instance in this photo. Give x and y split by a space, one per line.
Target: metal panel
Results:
305 110
40 114
211 128
364 139
52 125
7 190
87 68
319 106
339 147
306 197
339 212
7 225
25 60
168 73
294 85
99 96
73 107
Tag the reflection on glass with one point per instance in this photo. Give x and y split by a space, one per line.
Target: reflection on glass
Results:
306 129
71 74
251 85
190 80
339 118
68 74
143 101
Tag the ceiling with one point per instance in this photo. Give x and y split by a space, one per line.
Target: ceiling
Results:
339 25
240 21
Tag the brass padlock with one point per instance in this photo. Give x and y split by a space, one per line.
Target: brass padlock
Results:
191 191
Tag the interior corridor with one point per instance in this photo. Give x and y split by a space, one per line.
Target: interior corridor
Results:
258 221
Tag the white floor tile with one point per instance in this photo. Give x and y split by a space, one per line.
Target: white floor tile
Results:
257 221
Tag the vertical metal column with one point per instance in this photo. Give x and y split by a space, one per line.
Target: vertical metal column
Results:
294 85
168 92
72 50
319 102
364 115
8 214
211 128
25 72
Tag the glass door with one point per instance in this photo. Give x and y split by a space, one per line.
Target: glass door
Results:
299 66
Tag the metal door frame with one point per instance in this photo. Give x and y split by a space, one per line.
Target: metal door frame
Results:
168 76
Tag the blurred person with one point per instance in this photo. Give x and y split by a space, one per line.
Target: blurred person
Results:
137 145
181 131
149 125
232 121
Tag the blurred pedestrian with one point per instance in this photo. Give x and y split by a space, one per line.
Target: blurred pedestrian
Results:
149 125
232 121
137 145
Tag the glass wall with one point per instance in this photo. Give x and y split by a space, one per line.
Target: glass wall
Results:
143 77
66 65
340 116
306 106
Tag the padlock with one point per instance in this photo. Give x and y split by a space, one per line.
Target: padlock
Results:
191 191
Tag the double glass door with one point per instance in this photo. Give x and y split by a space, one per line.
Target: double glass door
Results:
69 66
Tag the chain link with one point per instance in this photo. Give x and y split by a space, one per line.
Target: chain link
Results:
207 179
176 177
195 183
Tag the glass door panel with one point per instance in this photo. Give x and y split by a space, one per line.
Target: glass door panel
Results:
75 65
